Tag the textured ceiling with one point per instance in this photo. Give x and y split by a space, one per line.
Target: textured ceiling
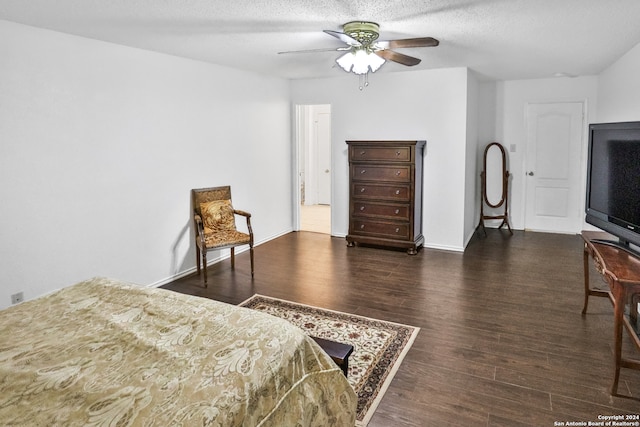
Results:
499 39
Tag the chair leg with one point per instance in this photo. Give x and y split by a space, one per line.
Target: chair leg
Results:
204 265
198 259
233 258
251 255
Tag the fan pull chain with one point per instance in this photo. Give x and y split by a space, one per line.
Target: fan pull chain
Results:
364 78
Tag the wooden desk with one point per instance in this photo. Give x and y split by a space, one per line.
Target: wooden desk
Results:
621 270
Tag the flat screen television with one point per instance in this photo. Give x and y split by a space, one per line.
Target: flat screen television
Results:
613 182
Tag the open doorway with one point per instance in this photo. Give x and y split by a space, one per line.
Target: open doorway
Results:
313 123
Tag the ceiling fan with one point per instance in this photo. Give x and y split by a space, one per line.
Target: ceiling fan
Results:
364 53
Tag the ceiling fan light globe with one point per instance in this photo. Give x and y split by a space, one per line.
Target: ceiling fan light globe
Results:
360 61
346 61
375 62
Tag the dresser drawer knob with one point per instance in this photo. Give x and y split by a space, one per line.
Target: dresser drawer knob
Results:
397 230
397 211
397 191
362 153
398 173
362 190
397 153
362 227
361 208
363 171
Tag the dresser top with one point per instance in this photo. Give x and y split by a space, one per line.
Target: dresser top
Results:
418 143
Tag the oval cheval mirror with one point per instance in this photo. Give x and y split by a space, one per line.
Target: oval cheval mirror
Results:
494 185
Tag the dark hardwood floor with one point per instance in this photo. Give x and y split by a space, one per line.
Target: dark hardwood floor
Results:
502 340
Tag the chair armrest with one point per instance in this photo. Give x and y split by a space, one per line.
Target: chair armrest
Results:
243 213
198 220
248 216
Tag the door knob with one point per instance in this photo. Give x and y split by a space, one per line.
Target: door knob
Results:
326 171
530 173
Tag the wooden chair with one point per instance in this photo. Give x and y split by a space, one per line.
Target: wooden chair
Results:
215 226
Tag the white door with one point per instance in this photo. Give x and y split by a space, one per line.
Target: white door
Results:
322 121
553 167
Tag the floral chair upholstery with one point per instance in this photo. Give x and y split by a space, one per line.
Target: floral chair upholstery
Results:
215 226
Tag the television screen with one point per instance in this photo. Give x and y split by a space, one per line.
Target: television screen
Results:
613 180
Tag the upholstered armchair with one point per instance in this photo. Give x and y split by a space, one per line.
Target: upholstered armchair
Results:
215 226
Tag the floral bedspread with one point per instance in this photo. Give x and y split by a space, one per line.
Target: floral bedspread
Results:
105 353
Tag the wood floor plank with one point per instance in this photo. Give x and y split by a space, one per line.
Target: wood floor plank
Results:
502 339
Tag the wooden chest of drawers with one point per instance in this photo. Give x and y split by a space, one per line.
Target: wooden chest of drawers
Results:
385 193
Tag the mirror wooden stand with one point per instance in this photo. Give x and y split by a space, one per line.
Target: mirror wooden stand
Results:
495 153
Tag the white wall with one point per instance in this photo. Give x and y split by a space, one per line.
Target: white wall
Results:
472 187
619 93
429 105
619 89
487 114
100 145
511 98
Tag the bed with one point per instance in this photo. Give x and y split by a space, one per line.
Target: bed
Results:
107 353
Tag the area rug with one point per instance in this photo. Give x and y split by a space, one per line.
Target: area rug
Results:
379 346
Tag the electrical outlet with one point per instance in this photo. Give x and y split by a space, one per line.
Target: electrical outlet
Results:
17 298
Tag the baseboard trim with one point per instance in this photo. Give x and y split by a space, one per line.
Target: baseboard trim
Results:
445 248
221 258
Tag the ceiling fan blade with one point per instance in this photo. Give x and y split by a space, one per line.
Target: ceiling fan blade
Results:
400 58
328 49
343 37
403 43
